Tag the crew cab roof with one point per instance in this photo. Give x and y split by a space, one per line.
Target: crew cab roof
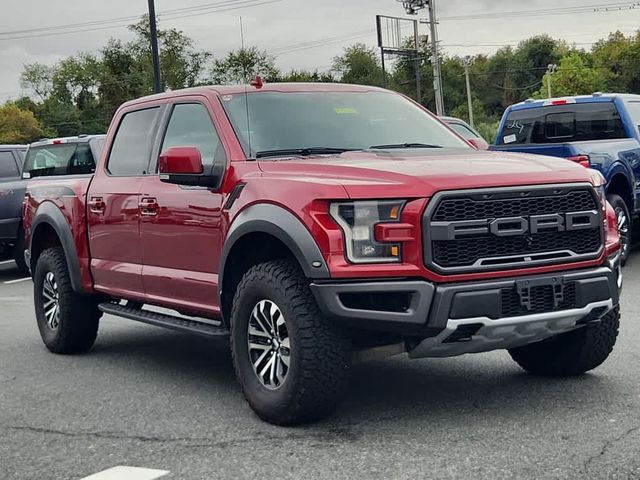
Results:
76 139
596 97
267 87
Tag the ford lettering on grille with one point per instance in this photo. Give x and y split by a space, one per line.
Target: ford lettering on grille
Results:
510 226
499 229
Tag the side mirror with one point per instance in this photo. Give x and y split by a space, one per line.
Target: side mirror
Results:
479 143
183 166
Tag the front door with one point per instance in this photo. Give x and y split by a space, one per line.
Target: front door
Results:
180 227
113 209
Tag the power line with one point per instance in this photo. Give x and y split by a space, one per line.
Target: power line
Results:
593 8
121 22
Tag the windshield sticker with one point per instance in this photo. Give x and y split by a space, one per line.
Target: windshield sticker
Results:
346 111
227 98
510 139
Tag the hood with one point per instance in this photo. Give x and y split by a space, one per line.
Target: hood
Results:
420 173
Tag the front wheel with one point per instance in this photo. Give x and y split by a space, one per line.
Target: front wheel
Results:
572 353
68 322
624 225
290 361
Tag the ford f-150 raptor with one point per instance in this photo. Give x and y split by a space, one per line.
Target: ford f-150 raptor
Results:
314 223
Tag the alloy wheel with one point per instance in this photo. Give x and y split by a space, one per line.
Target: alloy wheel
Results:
269 344
623 229
51 304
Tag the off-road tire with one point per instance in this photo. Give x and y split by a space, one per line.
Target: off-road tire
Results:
572 353
320 352
18 253
620 207
79 315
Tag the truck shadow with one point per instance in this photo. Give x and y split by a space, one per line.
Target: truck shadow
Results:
9 272
455 392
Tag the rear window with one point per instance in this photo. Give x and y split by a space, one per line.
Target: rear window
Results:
576 122
61 159
463 130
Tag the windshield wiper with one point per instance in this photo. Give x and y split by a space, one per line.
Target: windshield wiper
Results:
304 152
403 145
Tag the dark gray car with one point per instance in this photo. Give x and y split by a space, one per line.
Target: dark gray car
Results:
12 189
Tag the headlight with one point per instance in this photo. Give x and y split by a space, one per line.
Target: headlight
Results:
602 196
358 220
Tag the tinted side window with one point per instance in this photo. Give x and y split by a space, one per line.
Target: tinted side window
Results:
8 167
60 159
131 148
191 126
634 110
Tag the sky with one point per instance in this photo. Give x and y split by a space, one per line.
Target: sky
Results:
288 27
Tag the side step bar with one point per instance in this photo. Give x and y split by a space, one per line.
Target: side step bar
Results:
166 321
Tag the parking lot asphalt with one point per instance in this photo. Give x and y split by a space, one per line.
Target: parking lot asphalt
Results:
146 397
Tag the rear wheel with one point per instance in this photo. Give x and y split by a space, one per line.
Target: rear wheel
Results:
571 353
624 225
290 361
68 322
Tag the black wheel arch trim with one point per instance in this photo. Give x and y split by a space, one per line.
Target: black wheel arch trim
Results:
283 225
50 215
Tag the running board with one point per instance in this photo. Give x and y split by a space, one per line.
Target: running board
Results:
163 320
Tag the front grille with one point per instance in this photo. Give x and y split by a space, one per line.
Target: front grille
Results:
455 209
468 251
542 300
477 249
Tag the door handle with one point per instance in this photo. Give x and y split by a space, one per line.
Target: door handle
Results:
148 207
97 205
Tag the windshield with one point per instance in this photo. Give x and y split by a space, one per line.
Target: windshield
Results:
332 120
60 159
577 122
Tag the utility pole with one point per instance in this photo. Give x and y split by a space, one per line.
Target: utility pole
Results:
153 33
412 7
551 69
417 64
467 64
435 59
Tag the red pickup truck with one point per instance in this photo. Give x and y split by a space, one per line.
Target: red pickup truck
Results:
317 223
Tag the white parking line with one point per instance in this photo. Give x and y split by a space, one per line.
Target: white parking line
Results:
127 473
11 282
6 262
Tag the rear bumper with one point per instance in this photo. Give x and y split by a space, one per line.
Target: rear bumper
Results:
9 229
422 309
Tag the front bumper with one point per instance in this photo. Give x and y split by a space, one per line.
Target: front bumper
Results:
473 316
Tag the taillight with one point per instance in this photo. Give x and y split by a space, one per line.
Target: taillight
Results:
581 159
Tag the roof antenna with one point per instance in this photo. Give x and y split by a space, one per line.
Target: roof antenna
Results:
246 88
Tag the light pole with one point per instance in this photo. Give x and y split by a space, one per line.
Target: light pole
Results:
467 63
153 34
551 69
412 7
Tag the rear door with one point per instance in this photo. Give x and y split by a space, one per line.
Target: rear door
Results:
113 209
12 189
181 226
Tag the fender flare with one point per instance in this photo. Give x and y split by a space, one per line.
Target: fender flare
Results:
50 215
283 225
620 168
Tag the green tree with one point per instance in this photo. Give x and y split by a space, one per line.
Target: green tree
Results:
18 126
307 76
242 65
573 77
358 64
